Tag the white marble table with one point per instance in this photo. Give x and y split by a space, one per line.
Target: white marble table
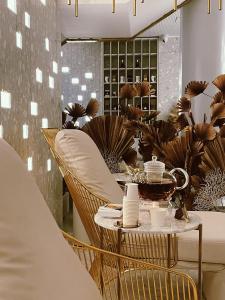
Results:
172 227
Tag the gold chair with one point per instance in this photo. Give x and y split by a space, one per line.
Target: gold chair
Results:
120 277
152 248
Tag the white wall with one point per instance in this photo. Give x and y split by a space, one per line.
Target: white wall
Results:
203 48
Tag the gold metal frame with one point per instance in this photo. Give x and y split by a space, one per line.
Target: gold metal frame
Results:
120 277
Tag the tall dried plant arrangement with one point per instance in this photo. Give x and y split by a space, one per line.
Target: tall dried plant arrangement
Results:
180 142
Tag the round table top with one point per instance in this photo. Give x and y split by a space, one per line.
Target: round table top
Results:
172 225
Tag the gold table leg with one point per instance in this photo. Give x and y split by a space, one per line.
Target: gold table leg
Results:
168 250
200 262
101 261
119 239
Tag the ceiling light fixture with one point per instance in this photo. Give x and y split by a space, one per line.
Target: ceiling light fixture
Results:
175 5
69 2
134 8
113 6
219 6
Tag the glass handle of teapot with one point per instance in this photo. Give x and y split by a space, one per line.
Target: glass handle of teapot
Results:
185 175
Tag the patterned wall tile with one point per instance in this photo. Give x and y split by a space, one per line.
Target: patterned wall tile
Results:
18 76
82 58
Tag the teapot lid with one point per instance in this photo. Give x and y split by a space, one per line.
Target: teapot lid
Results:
154 166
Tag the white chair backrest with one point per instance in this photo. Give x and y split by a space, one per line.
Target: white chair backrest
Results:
36 263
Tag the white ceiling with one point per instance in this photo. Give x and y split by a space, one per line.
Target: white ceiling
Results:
169 26
97 21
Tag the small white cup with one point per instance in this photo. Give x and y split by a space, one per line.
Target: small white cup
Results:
132 191
158 216
138 78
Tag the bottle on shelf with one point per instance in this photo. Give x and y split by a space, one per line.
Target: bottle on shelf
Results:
107 93
137 62
114 78
145 77
122 63
122 79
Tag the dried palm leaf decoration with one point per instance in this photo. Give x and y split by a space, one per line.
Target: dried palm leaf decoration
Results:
144 89
128 91
75 111
194 88
111 138
131 112
184 105
205 132
218 98
92 108
219 82
214 156
64 116
218 114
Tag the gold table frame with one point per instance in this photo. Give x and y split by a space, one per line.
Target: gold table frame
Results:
121 231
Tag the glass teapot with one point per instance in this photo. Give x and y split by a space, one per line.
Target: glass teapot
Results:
155 183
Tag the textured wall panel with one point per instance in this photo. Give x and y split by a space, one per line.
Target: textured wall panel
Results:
17 76
82 58
169 87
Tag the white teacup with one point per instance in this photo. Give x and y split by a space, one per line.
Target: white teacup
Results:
158 216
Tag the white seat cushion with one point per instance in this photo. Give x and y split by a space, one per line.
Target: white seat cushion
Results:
213 239
82 156
36 263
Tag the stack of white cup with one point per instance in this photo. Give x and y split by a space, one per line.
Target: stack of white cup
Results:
131 206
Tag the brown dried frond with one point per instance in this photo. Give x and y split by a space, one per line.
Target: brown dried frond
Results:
222 131
92 108
130 157
110 136
166 131
69 125
184 105
146 149
144 89
152 115
177 150
194 88
218 114
218 98
204 131
128 91
64 116
181 122
131 112
219 82
75 111
214 156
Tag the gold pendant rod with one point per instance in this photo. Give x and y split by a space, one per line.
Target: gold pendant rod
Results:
209 6
175 5
220 4
134 7
114 6
69 2
76 8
